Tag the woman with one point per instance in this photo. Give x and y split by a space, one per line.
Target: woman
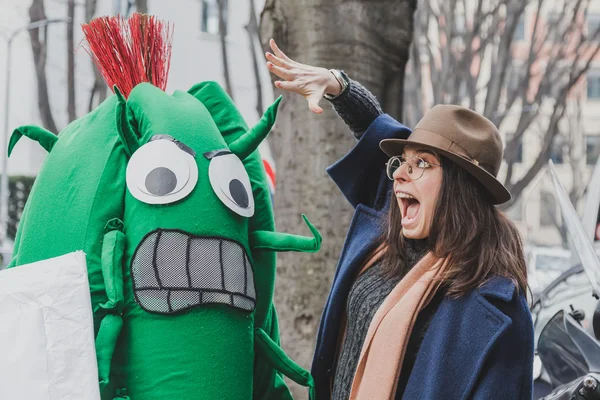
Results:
428 301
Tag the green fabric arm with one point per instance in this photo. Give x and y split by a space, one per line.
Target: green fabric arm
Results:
267 349
113 247
277 241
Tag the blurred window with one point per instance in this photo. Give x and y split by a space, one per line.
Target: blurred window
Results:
593 23
592 149
209 22
520 29
593 84
558 150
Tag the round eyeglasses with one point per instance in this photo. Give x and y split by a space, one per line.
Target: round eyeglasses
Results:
416 166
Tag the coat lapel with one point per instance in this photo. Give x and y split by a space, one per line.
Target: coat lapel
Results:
364 230
458 341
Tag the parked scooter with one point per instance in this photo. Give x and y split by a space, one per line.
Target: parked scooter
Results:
568 356
571 358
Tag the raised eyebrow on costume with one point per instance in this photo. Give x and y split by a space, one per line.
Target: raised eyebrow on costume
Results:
181 145
215 153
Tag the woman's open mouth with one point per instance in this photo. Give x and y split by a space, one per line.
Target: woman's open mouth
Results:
410 208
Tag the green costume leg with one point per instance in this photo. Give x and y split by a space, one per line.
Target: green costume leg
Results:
274 356
113 247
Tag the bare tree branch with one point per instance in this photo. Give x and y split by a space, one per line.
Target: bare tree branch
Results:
39 48
252 30
71 110
222 6
99 87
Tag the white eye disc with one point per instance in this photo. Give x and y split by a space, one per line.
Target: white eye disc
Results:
160 172
231 183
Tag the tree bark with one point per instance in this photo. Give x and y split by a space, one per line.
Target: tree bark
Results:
38 47
71 110
369 40
141 6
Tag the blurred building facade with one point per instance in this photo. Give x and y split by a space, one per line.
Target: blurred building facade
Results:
575 150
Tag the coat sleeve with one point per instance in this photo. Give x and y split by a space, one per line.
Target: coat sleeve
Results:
360 174
508 371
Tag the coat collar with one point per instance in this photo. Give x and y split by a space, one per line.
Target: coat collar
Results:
499 287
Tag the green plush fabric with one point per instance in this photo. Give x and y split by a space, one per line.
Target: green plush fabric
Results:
80 187
81 200
268 383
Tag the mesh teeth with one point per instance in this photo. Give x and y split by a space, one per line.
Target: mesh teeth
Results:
173 271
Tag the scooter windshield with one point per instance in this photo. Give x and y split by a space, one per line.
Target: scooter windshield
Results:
562 271
560 356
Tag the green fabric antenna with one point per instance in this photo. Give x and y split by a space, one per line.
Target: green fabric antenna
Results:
247 143
124 127
43 136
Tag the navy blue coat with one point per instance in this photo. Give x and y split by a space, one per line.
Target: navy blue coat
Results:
479 346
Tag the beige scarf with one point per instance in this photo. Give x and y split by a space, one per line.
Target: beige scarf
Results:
383 351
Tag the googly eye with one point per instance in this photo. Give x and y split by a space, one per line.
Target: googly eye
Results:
160 172
231 183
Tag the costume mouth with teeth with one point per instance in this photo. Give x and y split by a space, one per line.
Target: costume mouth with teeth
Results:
173 270
169 200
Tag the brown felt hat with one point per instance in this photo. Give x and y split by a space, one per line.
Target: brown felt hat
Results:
461 135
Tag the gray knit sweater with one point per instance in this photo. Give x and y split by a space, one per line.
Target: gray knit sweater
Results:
356 106
366 295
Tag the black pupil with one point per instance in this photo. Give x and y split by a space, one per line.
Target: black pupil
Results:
239 194
161 181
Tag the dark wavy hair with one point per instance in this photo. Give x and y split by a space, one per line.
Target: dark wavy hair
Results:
478 240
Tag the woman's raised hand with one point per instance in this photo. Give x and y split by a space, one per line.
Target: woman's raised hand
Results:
308 81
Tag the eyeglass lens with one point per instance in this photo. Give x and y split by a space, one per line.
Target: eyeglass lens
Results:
415 167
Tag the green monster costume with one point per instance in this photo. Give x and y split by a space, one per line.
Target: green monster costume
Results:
167 196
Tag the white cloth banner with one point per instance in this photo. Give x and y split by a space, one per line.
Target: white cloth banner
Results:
47 331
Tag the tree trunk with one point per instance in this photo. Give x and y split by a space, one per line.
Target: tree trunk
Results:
38 46
71 110
369 40
141 6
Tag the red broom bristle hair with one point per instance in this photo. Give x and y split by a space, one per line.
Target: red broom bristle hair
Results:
130 51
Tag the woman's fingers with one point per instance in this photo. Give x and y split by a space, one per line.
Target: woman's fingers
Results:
313 105
281 72
278 51
278 61
289 86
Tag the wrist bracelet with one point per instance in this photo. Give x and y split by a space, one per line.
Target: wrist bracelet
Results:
343 84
